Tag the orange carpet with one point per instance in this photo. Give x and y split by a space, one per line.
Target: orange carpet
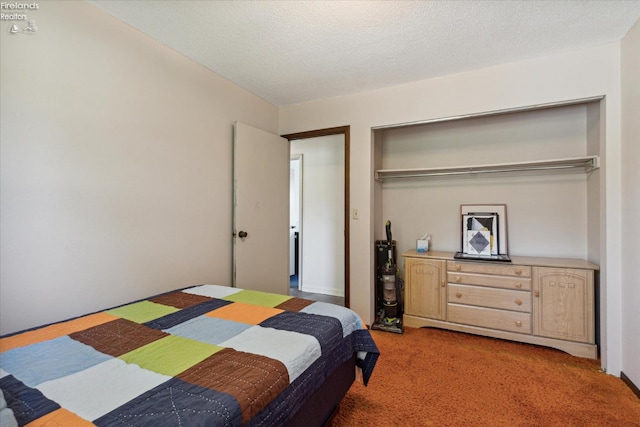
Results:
433 377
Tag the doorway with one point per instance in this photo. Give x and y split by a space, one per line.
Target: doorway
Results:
295 218
317 262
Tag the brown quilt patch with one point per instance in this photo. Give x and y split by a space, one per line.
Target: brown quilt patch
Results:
118 337
253 380
180 299
294 304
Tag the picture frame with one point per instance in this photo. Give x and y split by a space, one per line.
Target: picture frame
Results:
483 230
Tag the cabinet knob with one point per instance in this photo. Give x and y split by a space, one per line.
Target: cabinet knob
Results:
518 323
536 293
443 283
518 285
519 301
458 295
518 271
458 267
458 279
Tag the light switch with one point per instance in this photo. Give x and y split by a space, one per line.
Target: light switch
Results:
356 214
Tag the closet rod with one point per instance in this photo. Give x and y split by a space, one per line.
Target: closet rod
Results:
586 164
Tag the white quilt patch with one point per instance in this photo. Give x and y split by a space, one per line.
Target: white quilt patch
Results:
349 320
102 388
296 351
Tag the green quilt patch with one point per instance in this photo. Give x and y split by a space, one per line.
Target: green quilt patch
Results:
171 355
143 311
257 298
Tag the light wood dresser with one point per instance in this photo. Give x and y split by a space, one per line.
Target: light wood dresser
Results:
543 301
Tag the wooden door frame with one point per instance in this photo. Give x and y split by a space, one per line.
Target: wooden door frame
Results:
340 130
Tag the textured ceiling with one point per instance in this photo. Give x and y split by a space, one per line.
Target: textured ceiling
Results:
289 52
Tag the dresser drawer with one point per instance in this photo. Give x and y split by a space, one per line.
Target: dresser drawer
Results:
503 320
489 268
507 282
490 297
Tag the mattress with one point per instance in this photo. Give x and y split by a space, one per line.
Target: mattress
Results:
204 355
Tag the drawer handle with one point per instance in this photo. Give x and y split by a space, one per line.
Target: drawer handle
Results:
458 279
458 267
518 323
519 301
443 283
458 295
518 271
518 285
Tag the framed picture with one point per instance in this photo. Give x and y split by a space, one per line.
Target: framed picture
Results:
483 230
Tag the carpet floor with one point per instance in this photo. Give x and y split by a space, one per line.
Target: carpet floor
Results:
433 377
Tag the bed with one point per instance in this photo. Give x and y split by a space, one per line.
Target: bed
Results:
200 356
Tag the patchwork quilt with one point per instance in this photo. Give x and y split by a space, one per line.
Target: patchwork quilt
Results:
201 356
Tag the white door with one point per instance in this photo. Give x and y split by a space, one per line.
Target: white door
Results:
260 210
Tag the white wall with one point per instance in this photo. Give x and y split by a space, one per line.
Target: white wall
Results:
115 166
631 204
322 236
587 73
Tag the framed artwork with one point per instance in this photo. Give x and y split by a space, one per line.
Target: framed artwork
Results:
483 230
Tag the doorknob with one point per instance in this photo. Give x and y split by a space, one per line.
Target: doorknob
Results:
242 234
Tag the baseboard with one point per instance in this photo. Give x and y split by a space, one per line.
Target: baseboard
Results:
630 384
317 290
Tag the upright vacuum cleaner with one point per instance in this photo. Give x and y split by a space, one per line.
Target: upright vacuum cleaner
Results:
389 306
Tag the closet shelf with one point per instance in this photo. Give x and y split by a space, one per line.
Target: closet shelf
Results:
574 164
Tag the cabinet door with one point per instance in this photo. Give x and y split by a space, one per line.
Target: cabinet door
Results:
563 304
425 288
